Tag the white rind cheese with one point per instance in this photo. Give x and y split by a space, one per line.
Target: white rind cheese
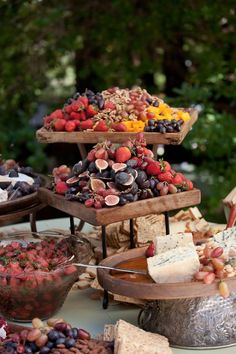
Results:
174 266
3 195
168 242
226 239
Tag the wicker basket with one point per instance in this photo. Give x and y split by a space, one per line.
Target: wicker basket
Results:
197 322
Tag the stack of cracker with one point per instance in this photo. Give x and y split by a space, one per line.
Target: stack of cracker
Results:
145 230
129 339
191 220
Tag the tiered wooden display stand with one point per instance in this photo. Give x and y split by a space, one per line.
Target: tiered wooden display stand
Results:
103 217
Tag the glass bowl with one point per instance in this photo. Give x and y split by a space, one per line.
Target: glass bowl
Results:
35 275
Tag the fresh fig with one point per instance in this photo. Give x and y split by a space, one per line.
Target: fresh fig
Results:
112 200
101 164
132 163
73 181
130 180
132 171
78 168
119 166
122 178
111 185
95 184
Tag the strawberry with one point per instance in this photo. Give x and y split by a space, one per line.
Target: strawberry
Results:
70 126
120 127
75 115
91 111
101 126
77 122
177 178
76 106
165 166
165 177
189 184
150 115
122 154
84 101
68 109
83 115
150 251
59 124
61 187
47 120
109 105
57 114
87 124
153 168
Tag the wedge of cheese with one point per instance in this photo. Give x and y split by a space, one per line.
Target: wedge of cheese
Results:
174 266
226 239
169 242
3 195
130 339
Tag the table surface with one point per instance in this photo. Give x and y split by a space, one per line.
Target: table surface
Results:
86 313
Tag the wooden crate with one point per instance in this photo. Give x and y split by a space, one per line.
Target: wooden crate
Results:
92 137
110 215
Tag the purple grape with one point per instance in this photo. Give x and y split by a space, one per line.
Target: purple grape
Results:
44 350
70 342
60 341
28 350
75 332
53 335
50 344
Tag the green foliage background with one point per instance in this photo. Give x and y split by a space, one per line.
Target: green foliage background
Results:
184 50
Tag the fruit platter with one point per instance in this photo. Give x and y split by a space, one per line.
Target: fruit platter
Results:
190 288
116 114
18 186
55 336
100 188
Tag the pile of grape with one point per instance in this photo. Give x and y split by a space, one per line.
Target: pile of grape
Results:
57 336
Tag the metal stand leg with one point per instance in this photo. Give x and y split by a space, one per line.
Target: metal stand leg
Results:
131 228
72 225
167 223
32 219
104 255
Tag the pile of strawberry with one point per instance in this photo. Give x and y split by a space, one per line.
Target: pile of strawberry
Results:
77 114
117 175
32 280
16 257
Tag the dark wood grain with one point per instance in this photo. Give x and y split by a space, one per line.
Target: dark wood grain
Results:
143 287
92 137
107 215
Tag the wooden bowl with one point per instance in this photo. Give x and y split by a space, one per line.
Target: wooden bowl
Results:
143 287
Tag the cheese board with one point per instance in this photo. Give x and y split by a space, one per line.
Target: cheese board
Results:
143 287
131 210
91 137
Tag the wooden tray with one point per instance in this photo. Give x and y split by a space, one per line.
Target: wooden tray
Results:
107 215
143 287
28 201
91 137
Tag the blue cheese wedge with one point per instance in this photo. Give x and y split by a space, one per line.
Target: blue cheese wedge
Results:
226 239
174 266
169 242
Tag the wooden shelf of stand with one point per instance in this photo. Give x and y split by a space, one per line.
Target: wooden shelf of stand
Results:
143 287
92 137
110 215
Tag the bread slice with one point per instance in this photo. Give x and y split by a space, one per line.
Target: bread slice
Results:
130 339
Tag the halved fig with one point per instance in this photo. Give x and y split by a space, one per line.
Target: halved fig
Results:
112 200
119 166
130 181
73 181
95 184
111 185
101 164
